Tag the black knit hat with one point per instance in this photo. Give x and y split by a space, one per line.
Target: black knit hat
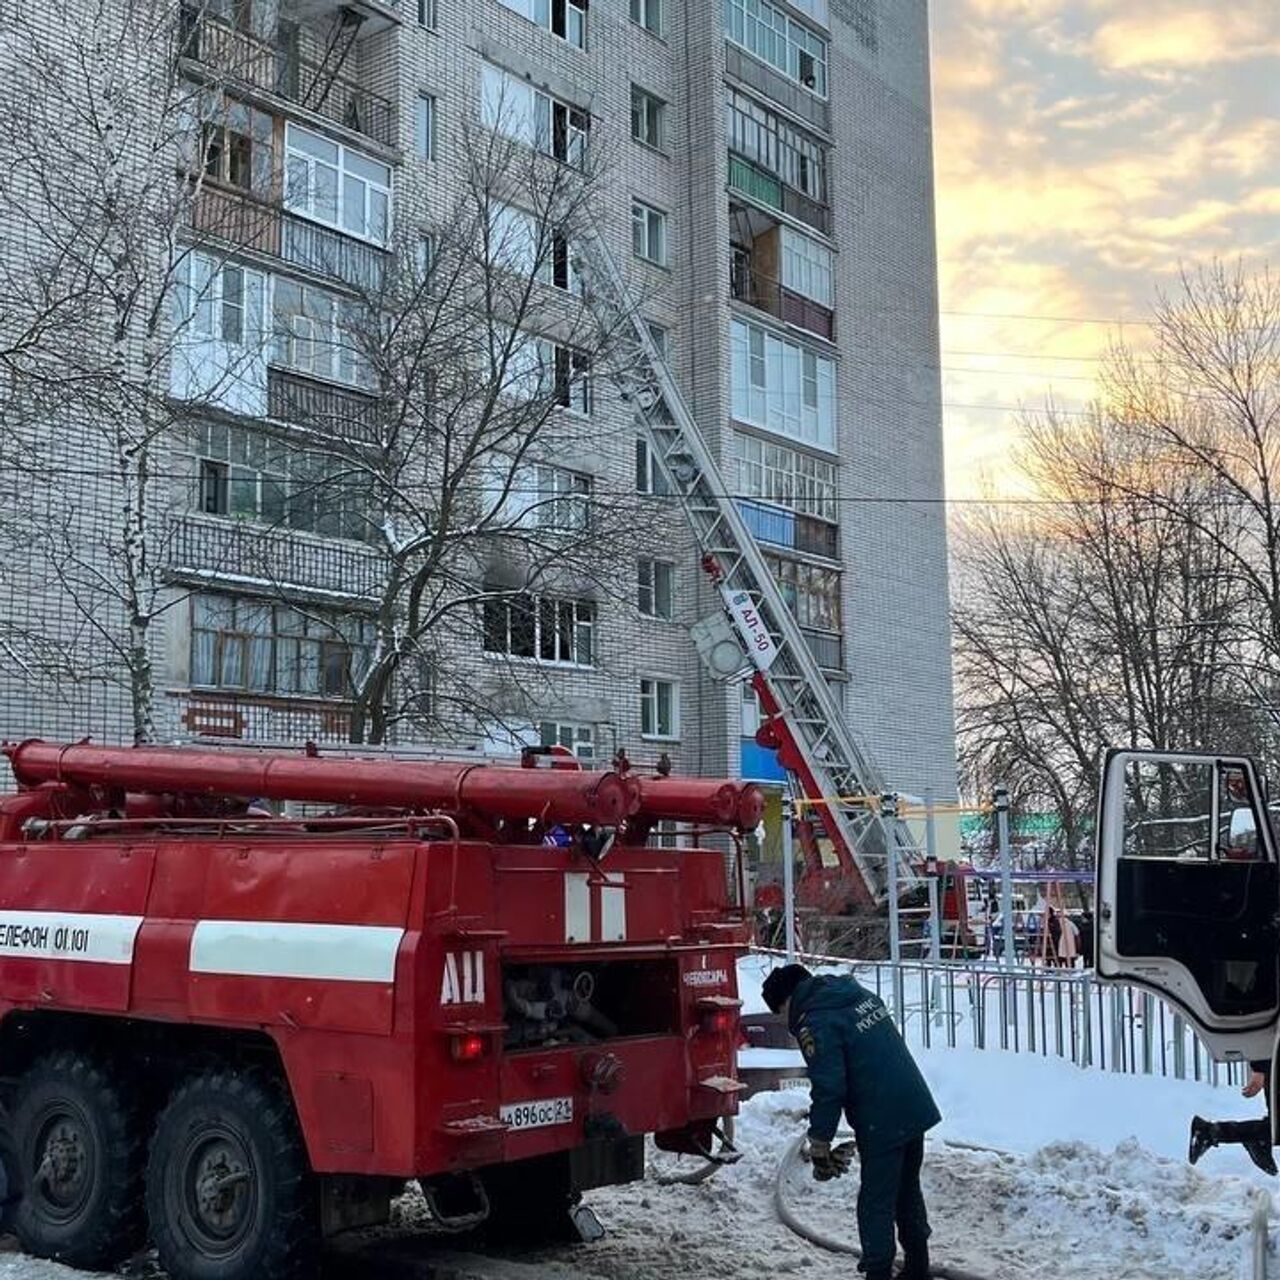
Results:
781 984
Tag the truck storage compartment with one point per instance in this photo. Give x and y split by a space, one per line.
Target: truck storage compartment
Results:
545 1005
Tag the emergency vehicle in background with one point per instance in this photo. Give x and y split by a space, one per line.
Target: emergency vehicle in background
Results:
237 1032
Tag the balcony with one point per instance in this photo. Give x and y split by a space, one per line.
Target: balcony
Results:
331 410
750 71
276 68
826 646
340 99
765 188
249 223
768 295
793 530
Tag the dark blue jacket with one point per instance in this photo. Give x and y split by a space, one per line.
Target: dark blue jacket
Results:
858 1064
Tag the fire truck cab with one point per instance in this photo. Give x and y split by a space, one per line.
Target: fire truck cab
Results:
1188 894
234 1032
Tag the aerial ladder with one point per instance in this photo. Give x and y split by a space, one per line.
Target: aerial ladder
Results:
831 770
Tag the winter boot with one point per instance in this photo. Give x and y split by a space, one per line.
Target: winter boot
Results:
1259 1150
915 1265
1204 1134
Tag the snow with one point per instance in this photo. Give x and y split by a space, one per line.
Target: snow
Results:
1038 1166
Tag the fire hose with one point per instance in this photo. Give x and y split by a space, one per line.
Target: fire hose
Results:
789 1219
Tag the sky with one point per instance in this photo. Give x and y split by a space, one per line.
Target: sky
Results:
1087 152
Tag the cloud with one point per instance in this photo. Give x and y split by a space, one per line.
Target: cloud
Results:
1197 36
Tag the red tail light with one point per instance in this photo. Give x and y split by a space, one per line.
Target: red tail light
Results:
468 1048
720 1020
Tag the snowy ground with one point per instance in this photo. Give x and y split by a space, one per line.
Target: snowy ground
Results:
1038 1167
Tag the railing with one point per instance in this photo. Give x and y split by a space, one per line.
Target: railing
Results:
250 223
206 547
772 296
1056 1013
216 43
786 528
274 68
826 646
796 204
307 244
743 67
344 101
332 410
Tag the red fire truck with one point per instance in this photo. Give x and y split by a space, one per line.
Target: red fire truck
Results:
235 1031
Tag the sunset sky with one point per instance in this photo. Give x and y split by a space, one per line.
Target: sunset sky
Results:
1086 150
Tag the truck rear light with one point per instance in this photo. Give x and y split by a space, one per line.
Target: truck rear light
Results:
719 1014
719 1020
468 1048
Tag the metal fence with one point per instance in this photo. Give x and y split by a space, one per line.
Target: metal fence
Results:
1065 1014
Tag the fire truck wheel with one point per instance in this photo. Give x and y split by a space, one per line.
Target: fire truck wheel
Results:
230 1195
79 1146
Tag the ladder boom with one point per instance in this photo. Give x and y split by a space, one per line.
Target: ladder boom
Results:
833 763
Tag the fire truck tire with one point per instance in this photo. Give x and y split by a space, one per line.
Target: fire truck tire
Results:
230 1195
79 1152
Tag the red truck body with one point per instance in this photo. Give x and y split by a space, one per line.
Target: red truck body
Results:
399 955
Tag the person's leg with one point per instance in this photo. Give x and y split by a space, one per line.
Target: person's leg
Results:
912 1214
877 1205
1253 1135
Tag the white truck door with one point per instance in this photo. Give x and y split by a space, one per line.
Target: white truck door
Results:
1189 893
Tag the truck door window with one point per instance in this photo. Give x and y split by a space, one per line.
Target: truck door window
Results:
1168 810
1237 818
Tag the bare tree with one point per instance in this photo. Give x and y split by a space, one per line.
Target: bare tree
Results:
104 151
1108 616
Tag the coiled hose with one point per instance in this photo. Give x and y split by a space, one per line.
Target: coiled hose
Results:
788 1218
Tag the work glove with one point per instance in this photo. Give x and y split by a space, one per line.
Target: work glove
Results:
829 1162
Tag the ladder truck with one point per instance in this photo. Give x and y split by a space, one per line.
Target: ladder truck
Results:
235 1031
832 773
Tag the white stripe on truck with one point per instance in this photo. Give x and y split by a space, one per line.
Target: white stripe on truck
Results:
269 949
68 935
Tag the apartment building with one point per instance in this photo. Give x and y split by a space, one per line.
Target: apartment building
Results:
763 174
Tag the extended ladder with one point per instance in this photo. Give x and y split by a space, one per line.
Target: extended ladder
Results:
818 747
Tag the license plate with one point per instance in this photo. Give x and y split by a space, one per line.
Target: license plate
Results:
794 1082
542 1114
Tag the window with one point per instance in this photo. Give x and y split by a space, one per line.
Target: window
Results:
788 46
254 476
425 132
236 148
648 233
661 338
811 592
332 184
659 709
538 367
783 387
650 478
540 628
808 267
648 118
516 109
242 643
427 14
647 14
657 589
315 333
798 481
424 254
579 738
219 301
564 18
537 496
518 242
767 140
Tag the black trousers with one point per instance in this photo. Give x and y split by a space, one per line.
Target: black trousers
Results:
890 1196
1244 1130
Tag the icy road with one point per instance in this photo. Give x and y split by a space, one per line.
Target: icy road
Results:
1039 1168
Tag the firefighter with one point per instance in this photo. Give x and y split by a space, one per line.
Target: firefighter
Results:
859 1065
